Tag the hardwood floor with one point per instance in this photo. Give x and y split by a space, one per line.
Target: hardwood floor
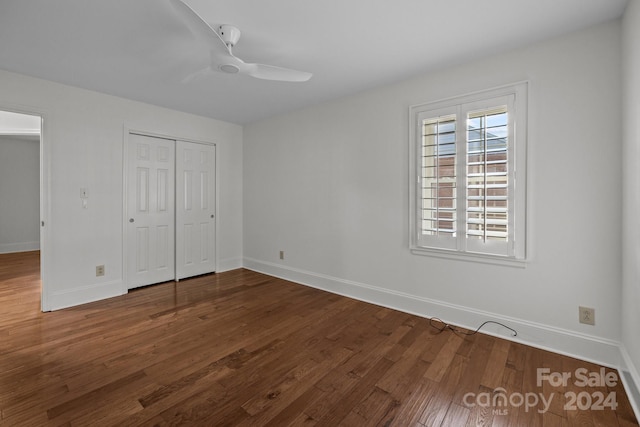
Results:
241 348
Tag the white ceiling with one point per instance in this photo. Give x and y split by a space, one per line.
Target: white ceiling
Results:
139 49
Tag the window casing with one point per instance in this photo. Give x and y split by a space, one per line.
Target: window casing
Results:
468 173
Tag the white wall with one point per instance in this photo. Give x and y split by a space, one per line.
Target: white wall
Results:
329 186
19 193
83 147
631 195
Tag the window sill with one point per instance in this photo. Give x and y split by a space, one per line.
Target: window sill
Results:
470 257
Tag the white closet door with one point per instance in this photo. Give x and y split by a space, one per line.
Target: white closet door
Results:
150 210
195 209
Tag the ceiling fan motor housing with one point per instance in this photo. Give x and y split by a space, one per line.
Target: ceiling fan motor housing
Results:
229 68
229 34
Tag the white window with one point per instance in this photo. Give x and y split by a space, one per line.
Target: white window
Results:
468 173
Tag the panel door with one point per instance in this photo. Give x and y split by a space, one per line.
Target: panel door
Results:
151 210
195 209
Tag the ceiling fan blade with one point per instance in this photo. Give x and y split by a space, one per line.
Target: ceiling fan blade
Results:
222 57
270 72
233 64
200 28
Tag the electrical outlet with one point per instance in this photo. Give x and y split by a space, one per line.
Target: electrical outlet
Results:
587 315
281 254
99 270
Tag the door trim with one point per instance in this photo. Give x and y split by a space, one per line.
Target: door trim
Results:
126 131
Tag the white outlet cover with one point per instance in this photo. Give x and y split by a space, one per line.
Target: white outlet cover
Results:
587 315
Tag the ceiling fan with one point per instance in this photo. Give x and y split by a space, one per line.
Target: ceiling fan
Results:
221 45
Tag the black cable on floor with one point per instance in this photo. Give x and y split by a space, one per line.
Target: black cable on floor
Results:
455 330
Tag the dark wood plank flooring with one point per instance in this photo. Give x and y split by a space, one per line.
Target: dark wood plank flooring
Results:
245 349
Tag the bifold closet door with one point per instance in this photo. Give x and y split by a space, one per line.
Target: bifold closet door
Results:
195 209
150 210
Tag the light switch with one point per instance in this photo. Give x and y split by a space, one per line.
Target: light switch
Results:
84 193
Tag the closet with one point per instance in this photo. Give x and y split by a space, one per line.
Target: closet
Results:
170 209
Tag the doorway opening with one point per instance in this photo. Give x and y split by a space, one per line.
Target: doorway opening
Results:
21 195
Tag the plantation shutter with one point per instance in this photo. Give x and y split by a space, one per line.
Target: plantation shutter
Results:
489 190
465 177
438 184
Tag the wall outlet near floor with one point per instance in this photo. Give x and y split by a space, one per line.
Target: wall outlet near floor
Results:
99 270
587 315
281 254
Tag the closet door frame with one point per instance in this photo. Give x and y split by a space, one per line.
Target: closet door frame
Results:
127 131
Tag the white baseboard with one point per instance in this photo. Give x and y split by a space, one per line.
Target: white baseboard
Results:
228 264
7 248
570 343
630 379
84 294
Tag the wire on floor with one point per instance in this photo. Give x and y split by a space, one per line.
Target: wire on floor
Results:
441 326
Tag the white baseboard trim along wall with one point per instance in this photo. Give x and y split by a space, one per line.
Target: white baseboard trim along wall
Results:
6 248
630 379
581 346
83 294
228 264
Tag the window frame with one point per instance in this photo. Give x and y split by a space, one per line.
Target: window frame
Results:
515 249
